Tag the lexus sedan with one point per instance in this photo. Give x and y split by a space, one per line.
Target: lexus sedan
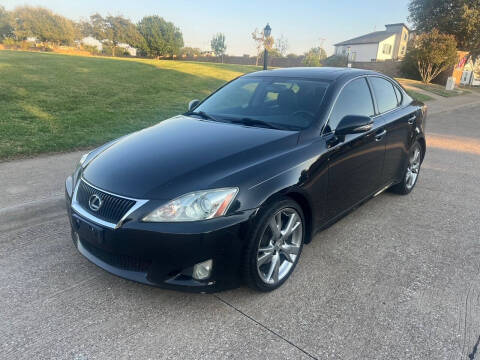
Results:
229 192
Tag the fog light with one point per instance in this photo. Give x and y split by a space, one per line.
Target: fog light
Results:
201 271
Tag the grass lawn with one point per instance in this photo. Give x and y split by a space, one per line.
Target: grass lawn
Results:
439 90
434 88
419 96
52 102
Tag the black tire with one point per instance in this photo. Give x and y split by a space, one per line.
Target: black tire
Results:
405 186
258 234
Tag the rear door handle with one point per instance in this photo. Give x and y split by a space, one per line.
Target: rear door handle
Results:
379 136
411 119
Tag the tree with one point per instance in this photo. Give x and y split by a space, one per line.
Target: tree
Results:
121 30
335 61
161 37
43 24
113 30
218 45
262 42
315 56
6 23
281 45
460 18
190 51
432 53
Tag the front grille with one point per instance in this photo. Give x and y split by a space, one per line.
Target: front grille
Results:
123 262
113 207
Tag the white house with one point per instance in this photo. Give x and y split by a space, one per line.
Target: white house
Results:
131 50
390 44
471 73
91 41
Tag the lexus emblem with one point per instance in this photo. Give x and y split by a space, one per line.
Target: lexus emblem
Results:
95 202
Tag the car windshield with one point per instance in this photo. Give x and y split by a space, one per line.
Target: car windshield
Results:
283 103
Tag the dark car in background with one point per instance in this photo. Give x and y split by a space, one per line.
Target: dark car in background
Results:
229 192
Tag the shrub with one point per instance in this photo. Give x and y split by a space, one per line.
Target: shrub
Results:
335 61
432 53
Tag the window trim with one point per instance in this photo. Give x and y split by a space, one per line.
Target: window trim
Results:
322 132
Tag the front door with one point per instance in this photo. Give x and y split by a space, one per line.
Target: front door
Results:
355 161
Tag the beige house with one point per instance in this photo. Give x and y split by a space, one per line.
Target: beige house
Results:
390 44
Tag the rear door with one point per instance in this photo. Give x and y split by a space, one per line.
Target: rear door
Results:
399 121
356 161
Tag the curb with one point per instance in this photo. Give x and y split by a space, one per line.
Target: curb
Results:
32 213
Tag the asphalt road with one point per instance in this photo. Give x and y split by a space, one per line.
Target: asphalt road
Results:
398 278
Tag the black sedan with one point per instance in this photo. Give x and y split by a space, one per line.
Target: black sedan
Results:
229 192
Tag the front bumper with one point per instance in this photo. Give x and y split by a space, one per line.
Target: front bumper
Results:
163 254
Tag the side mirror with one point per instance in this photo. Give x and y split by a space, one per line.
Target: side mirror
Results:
192 104
354 124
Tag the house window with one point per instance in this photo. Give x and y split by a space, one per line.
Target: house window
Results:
405 36
387 49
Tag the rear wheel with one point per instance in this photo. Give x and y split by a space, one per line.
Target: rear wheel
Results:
275 246
412 171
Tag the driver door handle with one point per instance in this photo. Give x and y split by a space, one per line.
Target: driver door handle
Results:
379 136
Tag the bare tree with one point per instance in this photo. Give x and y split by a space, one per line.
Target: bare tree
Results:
261 42
281 44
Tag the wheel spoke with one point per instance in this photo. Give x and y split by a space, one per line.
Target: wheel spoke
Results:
416 156
288 256
265 258
290 249
276 270
292 225
267 249
273 265
274 226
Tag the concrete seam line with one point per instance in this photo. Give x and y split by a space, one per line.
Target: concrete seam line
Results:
47 201
31 213
265 327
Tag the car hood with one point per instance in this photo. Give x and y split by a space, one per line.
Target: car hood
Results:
183 154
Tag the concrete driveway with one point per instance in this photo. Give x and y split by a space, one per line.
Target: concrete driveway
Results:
399 278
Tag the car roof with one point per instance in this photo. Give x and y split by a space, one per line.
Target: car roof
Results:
318 73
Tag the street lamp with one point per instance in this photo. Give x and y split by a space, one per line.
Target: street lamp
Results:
266 32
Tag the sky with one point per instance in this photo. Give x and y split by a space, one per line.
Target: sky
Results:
304 23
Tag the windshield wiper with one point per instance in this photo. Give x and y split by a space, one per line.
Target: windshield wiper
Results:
202 114
255 122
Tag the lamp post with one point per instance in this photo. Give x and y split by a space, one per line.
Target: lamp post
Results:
266 33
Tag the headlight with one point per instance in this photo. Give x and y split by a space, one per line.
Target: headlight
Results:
78 170
83 158
198 205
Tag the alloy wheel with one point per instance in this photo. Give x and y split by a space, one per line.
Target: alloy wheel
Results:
279 246
413 168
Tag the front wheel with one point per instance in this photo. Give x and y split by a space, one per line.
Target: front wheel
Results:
275 246
412 171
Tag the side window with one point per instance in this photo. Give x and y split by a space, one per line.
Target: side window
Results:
355 99
384 93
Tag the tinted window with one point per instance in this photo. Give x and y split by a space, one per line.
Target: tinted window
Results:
289 103
384 93
355 99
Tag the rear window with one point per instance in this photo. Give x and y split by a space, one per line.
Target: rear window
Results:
384 93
